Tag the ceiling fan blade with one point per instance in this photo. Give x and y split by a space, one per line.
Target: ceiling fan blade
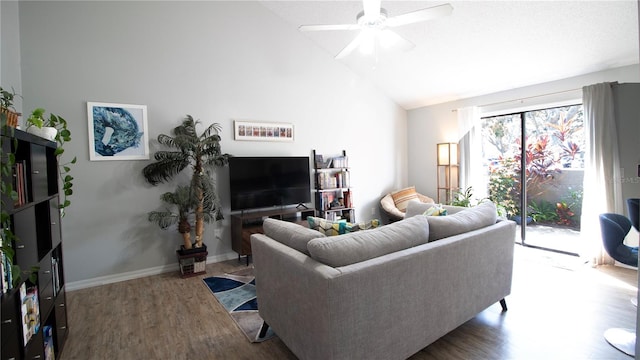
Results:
420 15
371 8
328 27
355 43
392 41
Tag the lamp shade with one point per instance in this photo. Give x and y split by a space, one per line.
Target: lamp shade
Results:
447 154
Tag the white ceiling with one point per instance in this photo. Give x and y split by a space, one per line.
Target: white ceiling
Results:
482 47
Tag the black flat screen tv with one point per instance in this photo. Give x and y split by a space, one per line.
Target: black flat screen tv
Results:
260 182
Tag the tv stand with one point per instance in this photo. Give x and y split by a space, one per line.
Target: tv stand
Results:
244 224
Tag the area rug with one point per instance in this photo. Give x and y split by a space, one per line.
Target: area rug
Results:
237 293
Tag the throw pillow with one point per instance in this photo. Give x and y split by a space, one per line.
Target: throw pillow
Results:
401 198
333 228
371 224
326 227
291 234
436 210
417 207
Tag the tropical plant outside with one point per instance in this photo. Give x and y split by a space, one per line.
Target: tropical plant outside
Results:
554 143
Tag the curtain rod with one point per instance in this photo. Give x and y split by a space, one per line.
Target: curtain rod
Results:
525 98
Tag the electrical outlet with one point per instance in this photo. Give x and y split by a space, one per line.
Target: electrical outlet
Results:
373 211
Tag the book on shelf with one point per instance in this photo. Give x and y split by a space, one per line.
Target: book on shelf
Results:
56 276
341 161
3 272
319 161
47 334
348 201
20 183
342 179
30 311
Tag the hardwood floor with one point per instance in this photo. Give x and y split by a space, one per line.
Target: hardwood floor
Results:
558 309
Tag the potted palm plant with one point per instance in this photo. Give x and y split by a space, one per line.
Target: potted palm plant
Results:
183 202
199 153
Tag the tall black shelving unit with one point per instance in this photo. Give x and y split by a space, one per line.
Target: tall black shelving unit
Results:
34 317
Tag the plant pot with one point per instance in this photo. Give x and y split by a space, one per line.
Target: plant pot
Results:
193 250
45 132
12 117
192 261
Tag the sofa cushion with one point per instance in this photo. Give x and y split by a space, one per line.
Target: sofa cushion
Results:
464 221
402 197
333 228
291 234
359 246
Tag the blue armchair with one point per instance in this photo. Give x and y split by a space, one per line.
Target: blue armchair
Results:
614 228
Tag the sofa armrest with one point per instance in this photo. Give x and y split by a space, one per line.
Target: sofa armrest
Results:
292 290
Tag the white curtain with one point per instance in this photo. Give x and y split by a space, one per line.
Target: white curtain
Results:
602 174
470 143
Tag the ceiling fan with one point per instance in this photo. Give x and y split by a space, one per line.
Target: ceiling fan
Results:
374 23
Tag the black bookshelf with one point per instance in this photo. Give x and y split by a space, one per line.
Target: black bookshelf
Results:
34 317
333 191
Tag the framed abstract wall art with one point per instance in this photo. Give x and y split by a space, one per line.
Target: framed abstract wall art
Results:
262 131
117 131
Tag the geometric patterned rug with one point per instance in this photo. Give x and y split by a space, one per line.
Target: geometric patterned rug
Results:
237 293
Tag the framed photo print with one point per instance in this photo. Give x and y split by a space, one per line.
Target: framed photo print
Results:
117 131
262 131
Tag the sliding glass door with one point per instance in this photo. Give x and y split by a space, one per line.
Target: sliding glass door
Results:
534 161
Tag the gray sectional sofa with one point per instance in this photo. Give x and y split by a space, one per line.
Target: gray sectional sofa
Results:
383 293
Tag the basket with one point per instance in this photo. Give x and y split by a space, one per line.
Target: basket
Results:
193 264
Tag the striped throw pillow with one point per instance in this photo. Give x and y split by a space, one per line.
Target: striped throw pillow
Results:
402 197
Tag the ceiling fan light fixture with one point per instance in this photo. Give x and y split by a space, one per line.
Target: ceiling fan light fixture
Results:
372 22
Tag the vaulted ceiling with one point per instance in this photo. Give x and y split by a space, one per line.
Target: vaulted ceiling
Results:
482 47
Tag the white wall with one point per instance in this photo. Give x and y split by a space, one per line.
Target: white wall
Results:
10 50
434 124
217 61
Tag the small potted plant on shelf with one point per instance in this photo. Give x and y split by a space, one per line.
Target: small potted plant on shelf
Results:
9 113
11 274
55 129
200 153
